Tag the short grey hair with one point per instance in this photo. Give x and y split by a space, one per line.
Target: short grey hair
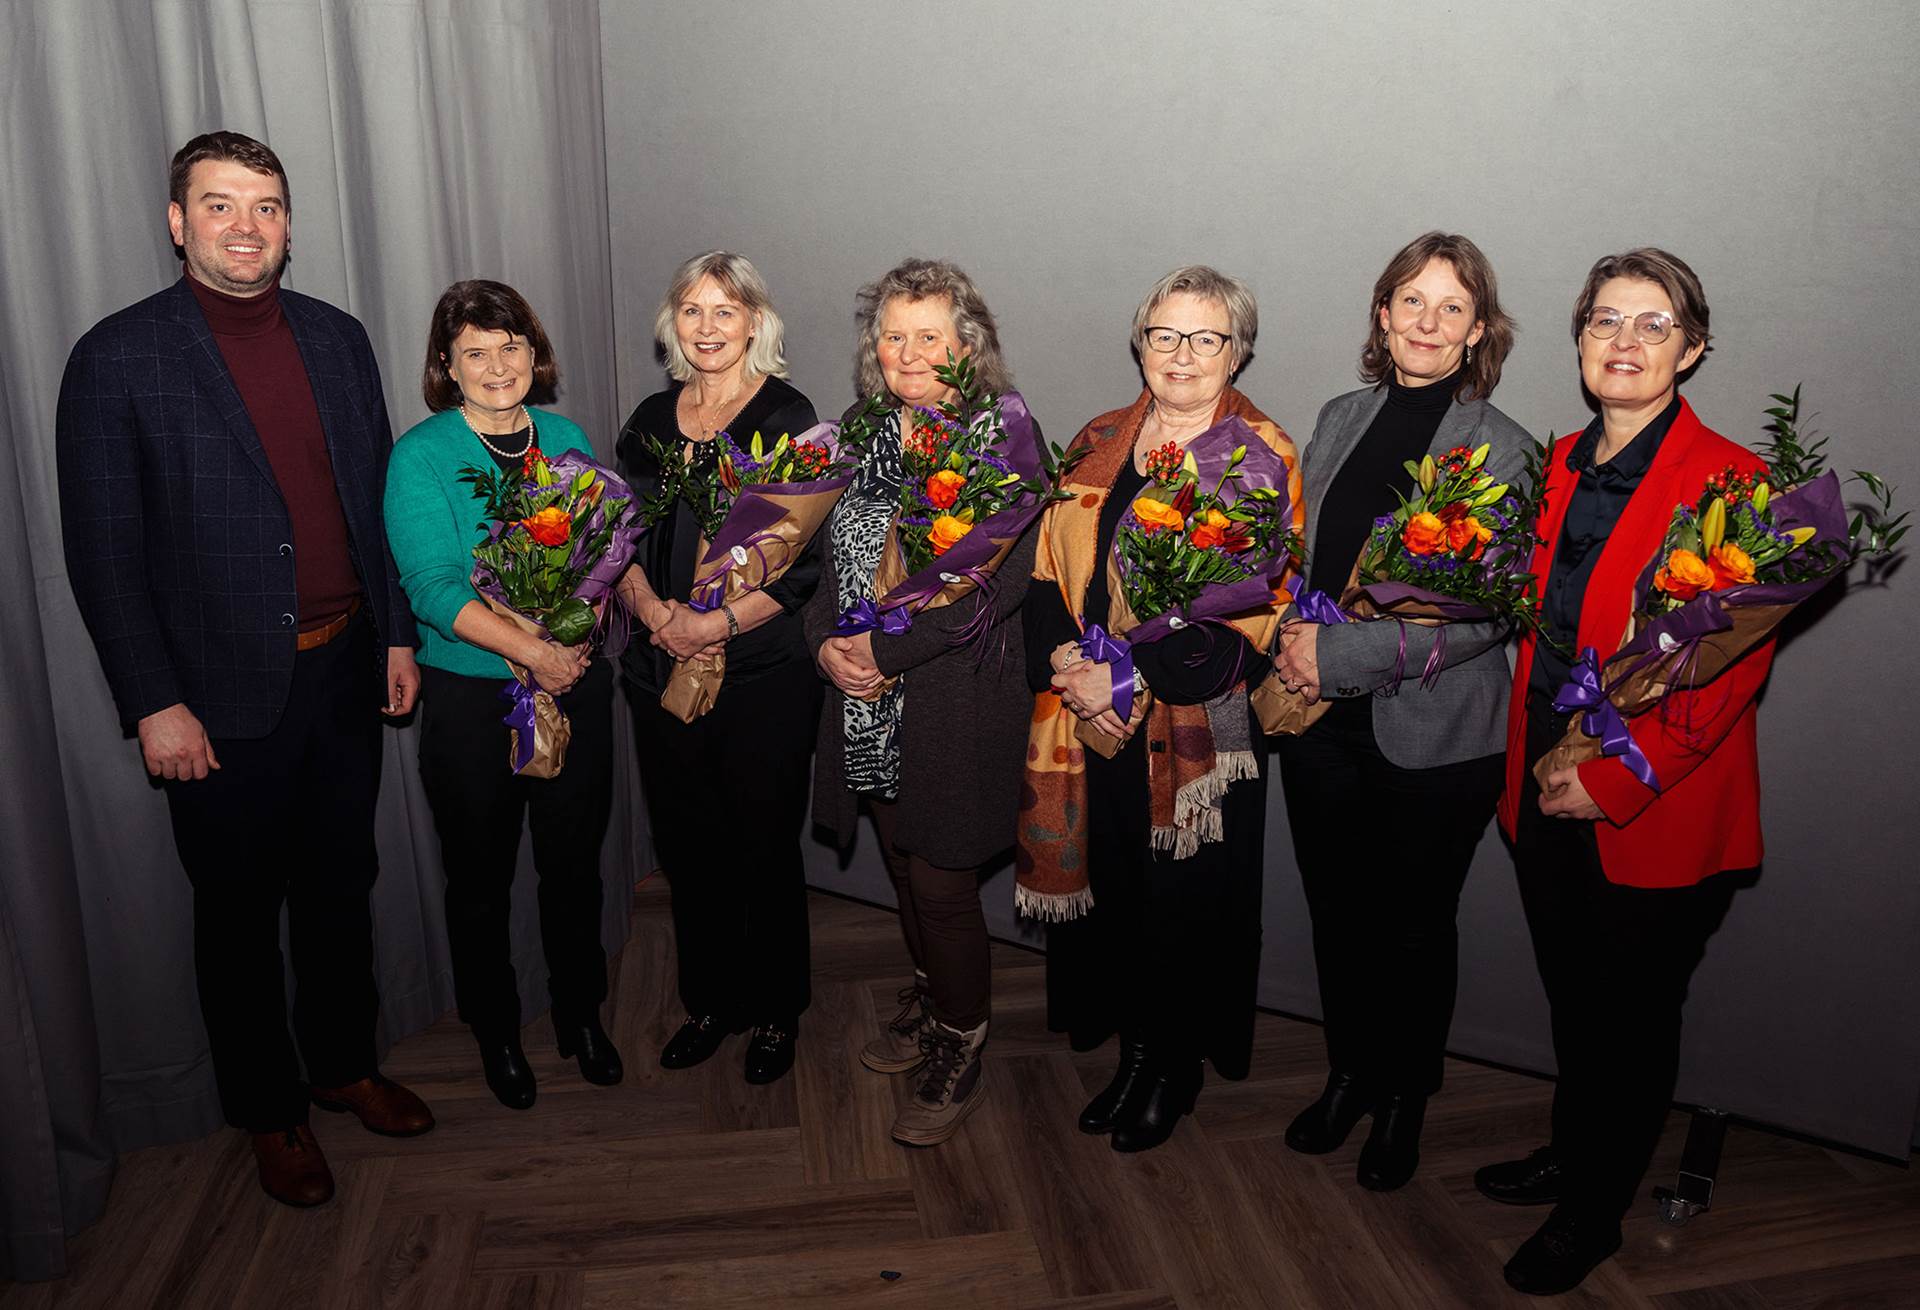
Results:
741 281
929 279
1243 311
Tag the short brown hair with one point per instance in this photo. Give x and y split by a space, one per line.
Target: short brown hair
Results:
929 279
1671 273
234 146
1476 275
491 307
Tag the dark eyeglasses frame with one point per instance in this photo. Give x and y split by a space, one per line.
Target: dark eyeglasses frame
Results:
1146 338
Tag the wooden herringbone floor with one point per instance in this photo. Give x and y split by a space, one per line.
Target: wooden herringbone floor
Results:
694 1189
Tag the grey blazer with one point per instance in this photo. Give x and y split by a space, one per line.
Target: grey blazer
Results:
1463 716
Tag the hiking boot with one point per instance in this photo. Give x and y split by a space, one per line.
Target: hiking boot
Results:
951 1086
897 1048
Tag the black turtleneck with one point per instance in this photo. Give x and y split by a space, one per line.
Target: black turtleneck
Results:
264 360
1364 487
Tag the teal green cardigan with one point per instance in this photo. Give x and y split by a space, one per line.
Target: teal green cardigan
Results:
434 521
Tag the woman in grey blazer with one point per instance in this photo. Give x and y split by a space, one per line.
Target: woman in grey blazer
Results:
1389 792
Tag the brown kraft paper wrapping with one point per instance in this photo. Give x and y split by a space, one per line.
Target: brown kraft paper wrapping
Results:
551 729
1642 691
694 684
892 571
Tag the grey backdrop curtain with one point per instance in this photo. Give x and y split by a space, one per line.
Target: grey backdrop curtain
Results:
425 140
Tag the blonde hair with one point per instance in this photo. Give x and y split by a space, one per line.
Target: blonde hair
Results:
741 282
1243 311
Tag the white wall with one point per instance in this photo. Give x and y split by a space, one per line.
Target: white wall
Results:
1069 153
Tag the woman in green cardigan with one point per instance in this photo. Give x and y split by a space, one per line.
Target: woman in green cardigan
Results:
487 357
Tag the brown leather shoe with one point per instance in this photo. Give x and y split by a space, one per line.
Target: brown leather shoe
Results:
383 1106
292 1170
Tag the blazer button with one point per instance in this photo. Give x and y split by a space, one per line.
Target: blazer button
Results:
286 620
1349 691
286 548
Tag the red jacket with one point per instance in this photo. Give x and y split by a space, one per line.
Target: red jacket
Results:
1701 743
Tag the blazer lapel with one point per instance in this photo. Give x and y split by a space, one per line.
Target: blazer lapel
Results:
1339 444
210 372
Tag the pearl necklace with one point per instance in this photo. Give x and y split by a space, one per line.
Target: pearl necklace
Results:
521 453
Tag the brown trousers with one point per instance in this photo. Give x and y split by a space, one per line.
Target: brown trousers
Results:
941 919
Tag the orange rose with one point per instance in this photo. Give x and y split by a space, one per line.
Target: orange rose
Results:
1424 534
946 530
1731 566
1211 530
1157 514
943 488
550 527
1468 532
1684 576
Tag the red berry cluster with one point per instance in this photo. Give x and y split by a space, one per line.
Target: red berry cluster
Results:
1456 460
529 460
810 460
1732 485
1164 462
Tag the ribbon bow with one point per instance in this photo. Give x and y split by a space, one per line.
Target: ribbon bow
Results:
521 719
1601 719
1319 607
1102 647
865 616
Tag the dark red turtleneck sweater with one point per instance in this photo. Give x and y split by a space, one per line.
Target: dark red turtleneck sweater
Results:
265 362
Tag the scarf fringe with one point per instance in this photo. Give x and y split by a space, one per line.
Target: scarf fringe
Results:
1196 806
1052 907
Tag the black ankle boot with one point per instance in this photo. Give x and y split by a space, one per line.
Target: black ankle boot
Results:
1324 1125
1562 1253
509 1076
1392 1152
587 1040
1152 1110
1101 1111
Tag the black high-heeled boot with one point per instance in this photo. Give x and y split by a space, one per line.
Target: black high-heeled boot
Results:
1324 1125
1099 1116
1152 1111
509 1076
588 1041
1392 1152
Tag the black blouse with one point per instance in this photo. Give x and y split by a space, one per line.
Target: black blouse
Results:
1186 667
670 549
1599 497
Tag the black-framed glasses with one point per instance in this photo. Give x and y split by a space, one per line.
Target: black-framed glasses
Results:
1205 342
1652 327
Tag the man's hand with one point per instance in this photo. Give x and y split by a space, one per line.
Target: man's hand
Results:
1565 796
403 681
1297 662
175 745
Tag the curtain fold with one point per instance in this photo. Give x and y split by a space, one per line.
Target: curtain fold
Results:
425 141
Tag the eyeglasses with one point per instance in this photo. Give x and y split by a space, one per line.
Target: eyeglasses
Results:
1166 340
1652 327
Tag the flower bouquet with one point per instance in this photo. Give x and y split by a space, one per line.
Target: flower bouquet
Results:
560 532
1735 562
1209 537
975 477
1455 551
758 507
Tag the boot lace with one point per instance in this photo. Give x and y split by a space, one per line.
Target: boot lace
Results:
946 1057
913 1014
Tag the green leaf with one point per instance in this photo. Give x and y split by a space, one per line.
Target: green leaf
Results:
571 621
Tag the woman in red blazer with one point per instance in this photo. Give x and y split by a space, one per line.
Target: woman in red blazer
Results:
1617 879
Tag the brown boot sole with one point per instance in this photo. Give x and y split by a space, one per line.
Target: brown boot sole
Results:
935 1136
342 1107
881 1064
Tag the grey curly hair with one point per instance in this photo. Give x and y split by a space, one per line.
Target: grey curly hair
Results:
929 279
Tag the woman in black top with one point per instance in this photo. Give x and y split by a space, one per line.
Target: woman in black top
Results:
1419 763
739 891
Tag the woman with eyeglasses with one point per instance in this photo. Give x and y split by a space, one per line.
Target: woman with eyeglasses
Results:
1167 954
1622 884
1391 790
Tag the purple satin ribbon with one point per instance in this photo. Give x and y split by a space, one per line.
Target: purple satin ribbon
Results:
865 616
1319 607
1103 648
1600 719
521 719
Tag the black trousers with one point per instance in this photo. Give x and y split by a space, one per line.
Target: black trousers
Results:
287 819
1170 951
1383 853
478 805
727 796
1616 962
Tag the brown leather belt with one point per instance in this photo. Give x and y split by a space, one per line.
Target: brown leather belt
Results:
325 633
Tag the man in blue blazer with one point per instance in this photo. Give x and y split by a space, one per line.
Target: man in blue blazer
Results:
223 452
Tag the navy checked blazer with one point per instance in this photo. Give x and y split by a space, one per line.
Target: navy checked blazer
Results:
178 542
